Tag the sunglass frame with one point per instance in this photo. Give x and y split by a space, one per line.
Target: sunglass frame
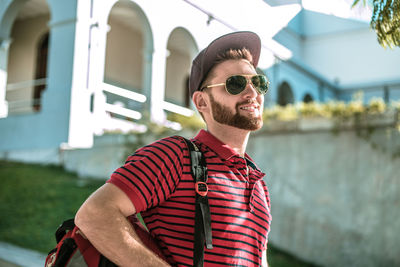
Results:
246 76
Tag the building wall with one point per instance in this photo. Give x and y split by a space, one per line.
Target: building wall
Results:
352 58
343 52
292 40
300 82
50 127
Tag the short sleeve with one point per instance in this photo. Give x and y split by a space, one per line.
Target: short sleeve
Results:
152 173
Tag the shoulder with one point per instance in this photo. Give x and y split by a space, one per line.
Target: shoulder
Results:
172 146
172 142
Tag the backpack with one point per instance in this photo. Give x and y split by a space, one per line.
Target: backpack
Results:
73 249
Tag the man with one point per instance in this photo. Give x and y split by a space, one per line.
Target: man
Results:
157 182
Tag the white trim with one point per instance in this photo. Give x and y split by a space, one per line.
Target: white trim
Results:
124 92
122 111
177 109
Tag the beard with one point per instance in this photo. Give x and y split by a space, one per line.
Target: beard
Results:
224 115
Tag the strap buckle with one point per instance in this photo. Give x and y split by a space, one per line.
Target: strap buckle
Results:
201 188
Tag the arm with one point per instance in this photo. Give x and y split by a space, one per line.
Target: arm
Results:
102 218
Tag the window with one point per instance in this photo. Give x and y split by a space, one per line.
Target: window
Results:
308 98
285 94
41 70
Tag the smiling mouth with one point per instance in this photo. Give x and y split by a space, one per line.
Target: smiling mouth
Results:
249 108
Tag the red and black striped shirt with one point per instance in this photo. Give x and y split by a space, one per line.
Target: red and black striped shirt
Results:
158 181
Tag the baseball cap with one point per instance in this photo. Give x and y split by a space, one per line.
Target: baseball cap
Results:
206 59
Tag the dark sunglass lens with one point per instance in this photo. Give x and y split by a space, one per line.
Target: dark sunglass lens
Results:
236 84
260 82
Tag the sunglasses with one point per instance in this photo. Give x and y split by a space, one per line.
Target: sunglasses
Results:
237 83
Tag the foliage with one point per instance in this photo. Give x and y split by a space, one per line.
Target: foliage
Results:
331 109
286 113
396 105
193 122
312 109
385 21
376 106
337 110
363 118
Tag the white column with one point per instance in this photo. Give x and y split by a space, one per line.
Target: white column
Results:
96 74
157 113
4 48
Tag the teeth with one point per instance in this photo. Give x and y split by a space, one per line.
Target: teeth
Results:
247 108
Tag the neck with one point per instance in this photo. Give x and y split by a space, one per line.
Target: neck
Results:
233 137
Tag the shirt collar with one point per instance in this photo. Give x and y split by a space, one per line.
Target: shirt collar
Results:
222 150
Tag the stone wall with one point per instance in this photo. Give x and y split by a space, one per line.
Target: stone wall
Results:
335 192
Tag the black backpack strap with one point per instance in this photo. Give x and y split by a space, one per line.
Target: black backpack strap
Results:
202 227
66 250
67 225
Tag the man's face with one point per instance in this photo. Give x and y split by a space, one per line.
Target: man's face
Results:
243 111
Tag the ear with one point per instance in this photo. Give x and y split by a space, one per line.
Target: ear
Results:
201 101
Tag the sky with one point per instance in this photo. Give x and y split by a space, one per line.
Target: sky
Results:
340 8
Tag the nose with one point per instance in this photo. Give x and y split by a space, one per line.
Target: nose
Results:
250 92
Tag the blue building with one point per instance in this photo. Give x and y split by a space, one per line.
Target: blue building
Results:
333 58
73 69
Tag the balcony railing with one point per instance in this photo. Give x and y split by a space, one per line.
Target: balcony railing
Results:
119 107
122 111
120 103
177 109
20 101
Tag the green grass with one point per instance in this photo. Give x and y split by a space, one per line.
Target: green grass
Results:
35 199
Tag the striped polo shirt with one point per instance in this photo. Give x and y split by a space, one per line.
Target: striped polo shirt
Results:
158 181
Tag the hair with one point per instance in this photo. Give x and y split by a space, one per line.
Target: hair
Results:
242 53
237 54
